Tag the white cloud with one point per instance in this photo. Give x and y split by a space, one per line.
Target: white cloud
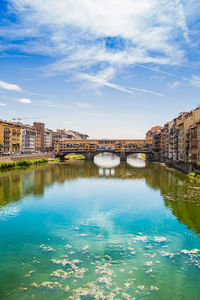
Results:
9 86
84 36
195 81
142 31
2 104
103 77
83 104
101 82
147 91
174 84
25 100
156 70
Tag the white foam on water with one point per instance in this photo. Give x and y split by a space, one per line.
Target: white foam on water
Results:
159 239
193 251
60 274
105 279
67 246
47 284
148 263
46 248
154 288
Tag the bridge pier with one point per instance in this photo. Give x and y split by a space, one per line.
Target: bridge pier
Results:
123 156
89 155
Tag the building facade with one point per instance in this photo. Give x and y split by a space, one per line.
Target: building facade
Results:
39 141
48 140
28 136
10 137
179 140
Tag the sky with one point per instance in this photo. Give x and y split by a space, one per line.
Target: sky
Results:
108 68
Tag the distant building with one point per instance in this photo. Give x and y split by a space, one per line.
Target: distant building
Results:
192 149
28 136
76 135
179 140
10 137
63 134
152 131
198 144
48 140
39 141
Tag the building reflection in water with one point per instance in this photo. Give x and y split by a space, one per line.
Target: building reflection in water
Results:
180 195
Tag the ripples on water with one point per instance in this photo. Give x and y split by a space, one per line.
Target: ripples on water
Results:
84 230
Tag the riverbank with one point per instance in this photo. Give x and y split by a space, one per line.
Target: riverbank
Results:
15 158
74 157
21 164
192 175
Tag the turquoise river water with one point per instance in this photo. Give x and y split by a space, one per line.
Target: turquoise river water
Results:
103 230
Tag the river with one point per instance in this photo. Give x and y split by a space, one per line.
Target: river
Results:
99 230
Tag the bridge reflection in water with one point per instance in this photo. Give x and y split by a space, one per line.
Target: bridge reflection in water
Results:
180 195
107 163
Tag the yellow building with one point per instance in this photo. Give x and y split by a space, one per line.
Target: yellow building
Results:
10 137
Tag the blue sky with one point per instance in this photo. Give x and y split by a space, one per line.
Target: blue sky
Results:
109 68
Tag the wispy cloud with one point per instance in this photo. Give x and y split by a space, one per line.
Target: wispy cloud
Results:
103 77
2 104
51 104
174 84
25 100
109 32
155 70
99 81
83 104
10 86
194 81
147 91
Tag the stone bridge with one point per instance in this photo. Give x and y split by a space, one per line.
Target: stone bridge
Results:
90 148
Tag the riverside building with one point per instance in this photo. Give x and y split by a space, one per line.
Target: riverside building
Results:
178 142
28 137
48 140
10 137
39 142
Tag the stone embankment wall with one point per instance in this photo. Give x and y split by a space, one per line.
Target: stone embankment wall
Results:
185 168
12 158
181 166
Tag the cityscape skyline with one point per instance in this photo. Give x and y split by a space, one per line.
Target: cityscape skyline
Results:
110 73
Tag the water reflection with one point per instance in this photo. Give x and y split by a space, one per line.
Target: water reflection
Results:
107 160
181 195
135 160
